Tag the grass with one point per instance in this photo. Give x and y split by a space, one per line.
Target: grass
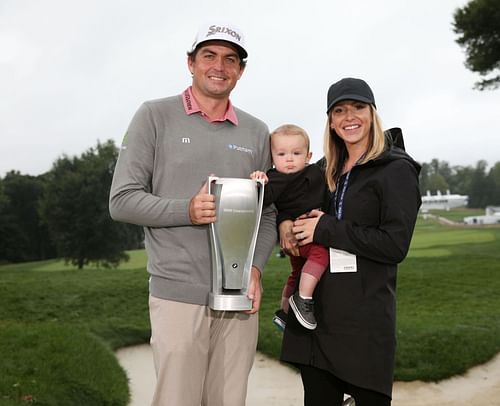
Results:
137 261
448 315
457 215
59 326
433 240
448 301
448 318
55 365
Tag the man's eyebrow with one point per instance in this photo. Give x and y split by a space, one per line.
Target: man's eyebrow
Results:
210 51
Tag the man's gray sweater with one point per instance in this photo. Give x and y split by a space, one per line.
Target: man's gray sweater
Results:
165 159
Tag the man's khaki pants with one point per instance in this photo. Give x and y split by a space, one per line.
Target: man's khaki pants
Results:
202 357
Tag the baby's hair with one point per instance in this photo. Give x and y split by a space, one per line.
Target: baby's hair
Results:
292 129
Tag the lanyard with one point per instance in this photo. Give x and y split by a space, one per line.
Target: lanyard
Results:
339 207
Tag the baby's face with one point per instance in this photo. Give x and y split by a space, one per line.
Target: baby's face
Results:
290 153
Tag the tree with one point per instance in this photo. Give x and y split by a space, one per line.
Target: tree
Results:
494 177
461 181
437 183
435 177
75 208
25 238
481 187
478 27
424 178
7 227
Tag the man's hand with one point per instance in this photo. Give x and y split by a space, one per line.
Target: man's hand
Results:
202 207
255 290
288 242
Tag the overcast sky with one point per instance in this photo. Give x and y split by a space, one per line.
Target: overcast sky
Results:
74 72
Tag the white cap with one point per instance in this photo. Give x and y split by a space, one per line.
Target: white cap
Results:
221 32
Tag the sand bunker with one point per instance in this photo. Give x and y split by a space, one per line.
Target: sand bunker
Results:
274 384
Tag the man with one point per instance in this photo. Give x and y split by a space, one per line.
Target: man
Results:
172 145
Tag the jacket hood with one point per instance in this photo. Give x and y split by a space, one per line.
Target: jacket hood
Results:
395 150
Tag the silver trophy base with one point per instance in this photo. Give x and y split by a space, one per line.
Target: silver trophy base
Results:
229 302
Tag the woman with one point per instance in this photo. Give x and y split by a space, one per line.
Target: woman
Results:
367 224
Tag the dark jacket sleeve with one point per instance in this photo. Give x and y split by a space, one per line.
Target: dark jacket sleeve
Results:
389 240
282 216
273 188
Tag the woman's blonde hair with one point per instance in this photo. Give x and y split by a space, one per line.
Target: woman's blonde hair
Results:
336 153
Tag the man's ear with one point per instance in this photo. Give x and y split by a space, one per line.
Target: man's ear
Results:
190 63
241 72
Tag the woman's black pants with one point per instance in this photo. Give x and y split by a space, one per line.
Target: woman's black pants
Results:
321 388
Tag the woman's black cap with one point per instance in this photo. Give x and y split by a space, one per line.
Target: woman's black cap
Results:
349 89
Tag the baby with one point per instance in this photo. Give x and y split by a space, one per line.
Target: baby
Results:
296 187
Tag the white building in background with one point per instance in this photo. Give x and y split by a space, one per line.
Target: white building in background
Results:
492 216
443 202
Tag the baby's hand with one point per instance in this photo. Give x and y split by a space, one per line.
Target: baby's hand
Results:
259 175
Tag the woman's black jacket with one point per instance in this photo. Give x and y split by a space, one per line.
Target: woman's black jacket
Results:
356 312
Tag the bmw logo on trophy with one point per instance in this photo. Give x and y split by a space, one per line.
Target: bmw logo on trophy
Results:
232 238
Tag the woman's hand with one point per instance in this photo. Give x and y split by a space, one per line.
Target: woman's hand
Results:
288 242
303 228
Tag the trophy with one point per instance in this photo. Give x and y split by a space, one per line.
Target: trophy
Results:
233 236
